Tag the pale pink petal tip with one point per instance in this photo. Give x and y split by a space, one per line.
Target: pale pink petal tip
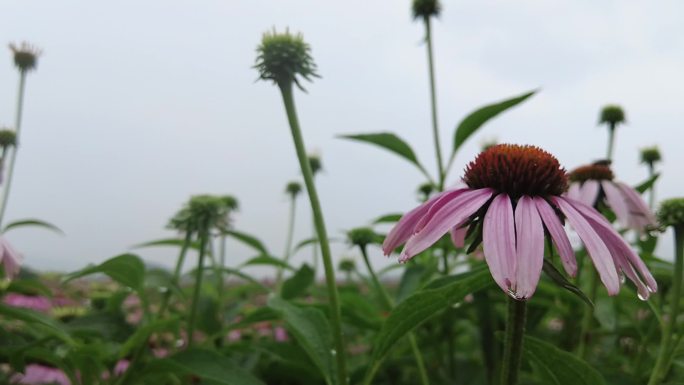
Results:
498 242
530 247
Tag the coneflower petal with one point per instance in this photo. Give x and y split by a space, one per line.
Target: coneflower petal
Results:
617 202
558 235
498 242
529 247
599 253
405 228
589 192
453 213
10 258
458 235
444 198
574 191
637 207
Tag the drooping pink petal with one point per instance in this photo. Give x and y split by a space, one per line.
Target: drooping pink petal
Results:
458 235
498 242
558 235
574 191
453 213
599 253
529 247
10 258
617 202
444 198
637 207
611 237
589 192
405 228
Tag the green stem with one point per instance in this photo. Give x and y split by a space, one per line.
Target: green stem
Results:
433 102
288 244
335 314
662 365
13 157
488 343
204 233
175 279
651 193
588 317
611 140
222 265
513 341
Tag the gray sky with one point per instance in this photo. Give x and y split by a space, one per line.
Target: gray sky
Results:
136 105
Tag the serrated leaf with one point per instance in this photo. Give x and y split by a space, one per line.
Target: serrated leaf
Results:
248 240
471 123
298 283
126 269
388 141
558 277
389 218
32 222
647 184
209 365
311 329
559 367
176 242
421 306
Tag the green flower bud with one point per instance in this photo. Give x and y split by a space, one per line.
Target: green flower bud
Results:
671 212
293 188
425 8
283 58
315 163
8 138
426 189
650 155
200 214
362 236
612 115
25 56
230 202
347 265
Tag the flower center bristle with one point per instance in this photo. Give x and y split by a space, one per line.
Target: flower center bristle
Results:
591 172
517 170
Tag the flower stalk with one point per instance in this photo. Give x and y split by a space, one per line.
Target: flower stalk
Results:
513 341
13 151
290 237
433 102
192 321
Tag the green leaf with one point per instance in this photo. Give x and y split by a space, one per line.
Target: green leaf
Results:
247 240
143 333
126 269
34 318
558 277
559 367
304 243
389 218
388 141
267 260
647 184
206 364
423 305
176 242
298 283
32 222
246 277
479 117
311 329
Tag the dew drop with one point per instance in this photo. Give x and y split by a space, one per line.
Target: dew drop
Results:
642 297
512 294
623 279
650 289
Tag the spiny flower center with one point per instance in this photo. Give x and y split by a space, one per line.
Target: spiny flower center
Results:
517 170
591 172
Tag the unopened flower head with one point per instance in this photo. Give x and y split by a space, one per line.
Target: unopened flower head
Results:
25 56
671 213
200 214
293 189
347 265
594 184
8 138
513 202
425 8
650 155
315 163
284 57
426 189
362 236
612 115
230 202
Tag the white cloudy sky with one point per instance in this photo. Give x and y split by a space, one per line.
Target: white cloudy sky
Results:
136 105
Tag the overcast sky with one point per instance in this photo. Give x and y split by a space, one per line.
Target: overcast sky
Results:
136 105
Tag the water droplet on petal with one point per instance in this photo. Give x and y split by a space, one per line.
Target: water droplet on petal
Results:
642 296
512 294
650 289
623 279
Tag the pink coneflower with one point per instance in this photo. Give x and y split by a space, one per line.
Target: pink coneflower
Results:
513 200
33 302
594 183
10 259
36 374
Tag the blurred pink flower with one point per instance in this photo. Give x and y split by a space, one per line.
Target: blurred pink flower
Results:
280 334
10 258
33 302
36 374
514 199
593 183
121 366
234 335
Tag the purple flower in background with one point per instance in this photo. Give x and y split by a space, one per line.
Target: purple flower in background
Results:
594 183
33 302
10 259
36 374
513 200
